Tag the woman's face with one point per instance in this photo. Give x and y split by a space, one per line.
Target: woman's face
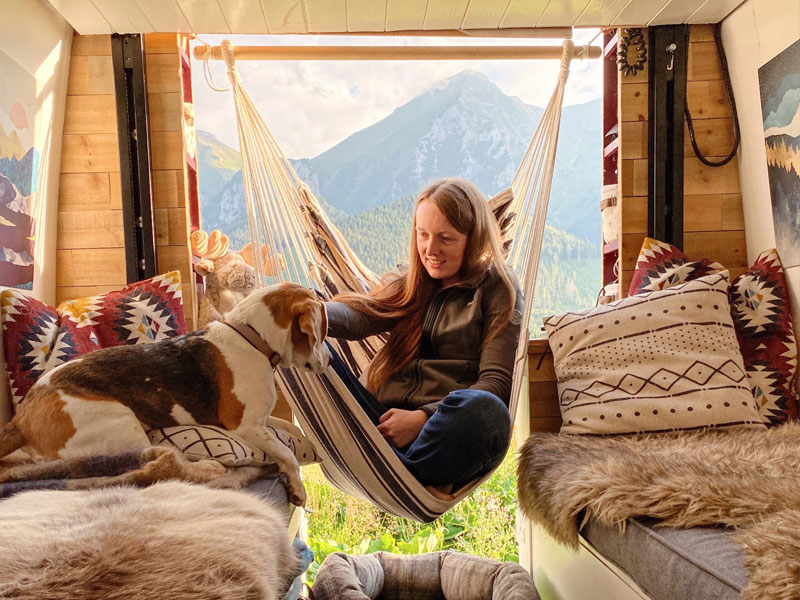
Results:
440 245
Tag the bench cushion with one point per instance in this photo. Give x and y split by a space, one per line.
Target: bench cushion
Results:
669 563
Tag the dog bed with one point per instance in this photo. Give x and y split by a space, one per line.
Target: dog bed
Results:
448 575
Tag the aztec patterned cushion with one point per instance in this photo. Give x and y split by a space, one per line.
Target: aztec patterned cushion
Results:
761 317
661 265
204 441
35 340
658 361
37 337
142 312
763 321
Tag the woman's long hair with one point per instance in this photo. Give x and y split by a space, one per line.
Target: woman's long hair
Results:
407 296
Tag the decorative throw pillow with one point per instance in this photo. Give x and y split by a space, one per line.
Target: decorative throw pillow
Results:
36 340
763 320
142 312
205 441
658 361
661 265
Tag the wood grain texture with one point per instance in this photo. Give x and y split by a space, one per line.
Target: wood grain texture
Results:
166 149
93 113
91 45
701 179
728 248
633 102
162 72
165 111
161 43
90 153
90 267
85 192
90 75
633 216
168 188
90 229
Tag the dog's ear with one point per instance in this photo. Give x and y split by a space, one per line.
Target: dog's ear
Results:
309 327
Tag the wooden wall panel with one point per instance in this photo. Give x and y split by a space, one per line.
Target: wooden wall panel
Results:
91 245
545 414
87 191
91 114
90 229
90 255
91 74
713 217
90 153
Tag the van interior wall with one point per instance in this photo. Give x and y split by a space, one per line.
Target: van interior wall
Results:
713 222
91 244
755 33
36 41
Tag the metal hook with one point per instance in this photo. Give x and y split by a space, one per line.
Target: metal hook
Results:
671 52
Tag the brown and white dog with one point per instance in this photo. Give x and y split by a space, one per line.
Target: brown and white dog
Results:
105 401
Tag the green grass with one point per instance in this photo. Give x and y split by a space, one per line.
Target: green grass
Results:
482 524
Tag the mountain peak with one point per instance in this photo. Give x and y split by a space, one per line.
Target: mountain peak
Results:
467 80
467 75
10 145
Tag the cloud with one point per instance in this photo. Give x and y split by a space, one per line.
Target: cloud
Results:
786 111
312 105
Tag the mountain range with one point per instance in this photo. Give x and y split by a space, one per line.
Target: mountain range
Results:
464 126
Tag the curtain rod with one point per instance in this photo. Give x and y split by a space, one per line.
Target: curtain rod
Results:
395 52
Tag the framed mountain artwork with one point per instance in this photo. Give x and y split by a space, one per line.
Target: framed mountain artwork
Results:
19 174
779 83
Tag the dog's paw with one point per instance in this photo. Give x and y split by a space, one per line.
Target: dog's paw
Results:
297 494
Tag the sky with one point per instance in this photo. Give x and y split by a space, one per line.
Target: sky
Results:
310 106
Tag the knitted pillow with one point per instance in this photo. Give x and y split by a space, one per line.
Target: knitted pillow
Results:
35 340
205 441
657 361
142 312
763 321
661 265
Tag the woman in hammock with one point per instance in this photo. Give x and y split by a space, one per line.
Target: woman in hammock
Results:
439 389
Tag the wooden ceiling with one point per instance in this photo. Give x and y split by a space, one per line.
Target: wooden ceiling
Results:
380 16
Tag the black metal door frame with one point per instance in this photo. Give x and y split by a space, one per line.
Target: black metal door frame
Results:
134 156
669 45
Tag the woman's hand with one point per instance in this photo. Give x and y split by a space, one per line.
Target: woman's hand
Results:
401 427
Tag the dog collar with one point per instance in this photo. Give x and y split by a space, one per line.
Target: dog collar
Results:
256 341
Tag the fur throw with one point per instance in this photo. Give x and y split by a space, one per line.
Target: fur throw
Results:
171 540
138 468
745 479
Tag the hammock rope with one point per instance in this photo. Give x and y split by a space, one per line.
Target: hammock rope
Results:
301 244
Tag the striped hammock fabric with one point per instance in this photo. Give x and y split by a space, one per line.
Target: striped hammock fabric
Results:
287 219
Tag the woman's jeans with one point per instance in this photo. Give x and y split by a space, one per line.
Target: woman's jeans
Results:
466 437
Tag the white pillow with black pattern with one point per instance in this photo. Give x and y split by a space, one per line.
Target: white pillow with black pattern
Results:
198 442
658 361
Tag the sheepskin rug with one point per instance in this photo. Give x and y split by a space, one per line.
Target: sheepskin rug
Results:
745 479
171 540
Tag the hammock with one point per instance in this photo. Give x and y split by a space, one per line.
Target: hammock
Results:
300 244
